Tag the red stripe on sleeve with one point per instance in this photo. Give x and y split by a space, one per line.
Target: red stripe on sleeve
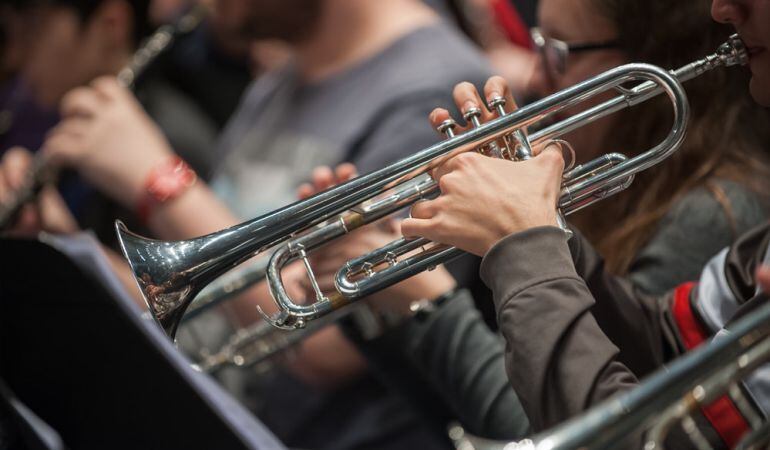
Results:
692 332
722 414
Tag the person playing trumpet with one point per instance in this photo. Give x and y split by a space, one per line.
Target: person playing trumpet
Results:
567 323
696 213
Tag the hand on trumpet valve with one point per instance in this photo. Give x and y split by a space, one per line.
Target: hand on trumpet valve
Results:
108 138
478 204
327 260
474 108
47 213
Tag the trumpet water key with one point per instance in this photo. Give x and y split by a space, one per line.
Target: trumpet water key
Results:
170 274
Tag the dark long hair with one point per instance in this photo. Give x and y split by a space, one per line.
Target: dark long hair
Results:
728 134
86 8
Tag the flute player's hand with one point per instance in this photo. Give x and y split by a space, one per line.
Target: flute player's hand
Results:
47 213
108 138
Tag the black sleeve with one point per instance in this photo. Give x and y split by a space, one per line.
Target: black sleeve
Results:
463 360
450 365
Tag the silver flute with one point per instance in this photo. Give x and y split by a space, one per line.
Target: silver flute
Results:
41 173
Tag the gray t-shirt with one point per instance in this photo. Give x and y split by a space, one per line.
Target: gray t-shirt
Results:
371 114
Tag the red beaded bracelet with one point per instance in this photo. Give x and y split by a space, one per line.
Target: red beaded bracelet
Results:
165 182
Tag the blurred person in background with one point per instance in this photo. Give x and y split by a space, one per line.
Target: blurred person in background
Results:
363 76
211 55
58 45
499 28
166 11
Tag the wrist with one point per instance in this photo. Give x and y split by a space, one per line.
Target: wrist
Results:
426 286
543 219
421 309
166 181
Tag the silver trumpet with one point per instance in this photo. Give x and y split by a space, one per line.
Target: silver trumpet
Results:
667 398
259 343
170 274
41 173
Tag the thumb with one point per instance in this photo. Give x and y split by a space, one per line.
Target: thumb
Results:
15 166
412 227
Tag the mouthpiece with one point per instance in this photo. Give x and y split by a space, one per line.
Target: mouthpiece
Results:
733 52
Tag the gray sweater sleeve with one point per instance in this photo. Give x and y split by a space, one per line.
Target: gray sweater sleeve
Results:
463 360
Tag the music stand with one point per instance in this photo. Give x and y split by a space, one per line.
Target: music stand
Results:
75 350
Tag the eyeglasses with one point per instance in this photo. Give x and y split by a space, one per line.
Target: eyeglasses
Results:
555 52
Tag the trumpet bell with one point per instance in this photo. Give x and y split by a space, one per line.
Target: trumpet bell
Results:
163 274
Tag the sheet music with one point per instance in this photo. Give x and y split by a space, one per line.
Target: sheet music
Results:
86 252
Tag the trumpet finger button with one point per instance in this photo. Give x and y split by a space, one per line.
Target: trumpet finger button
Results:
447 128
497 104
472 116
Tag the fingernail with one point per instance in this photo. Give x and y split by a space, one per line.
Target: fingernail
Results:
494 94
468 105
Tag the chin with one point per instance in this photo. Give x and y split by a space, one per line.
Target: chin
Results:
760 89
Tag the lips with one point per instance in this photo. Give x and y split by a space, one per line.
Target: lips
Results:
751 47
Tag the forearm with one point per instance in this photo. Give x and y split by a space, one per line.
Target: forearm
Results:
194 213
557 357
639 324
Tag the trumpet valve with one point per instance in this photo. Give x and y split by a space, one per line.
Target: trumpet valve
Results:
447 128
472 117
497 104
521 147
